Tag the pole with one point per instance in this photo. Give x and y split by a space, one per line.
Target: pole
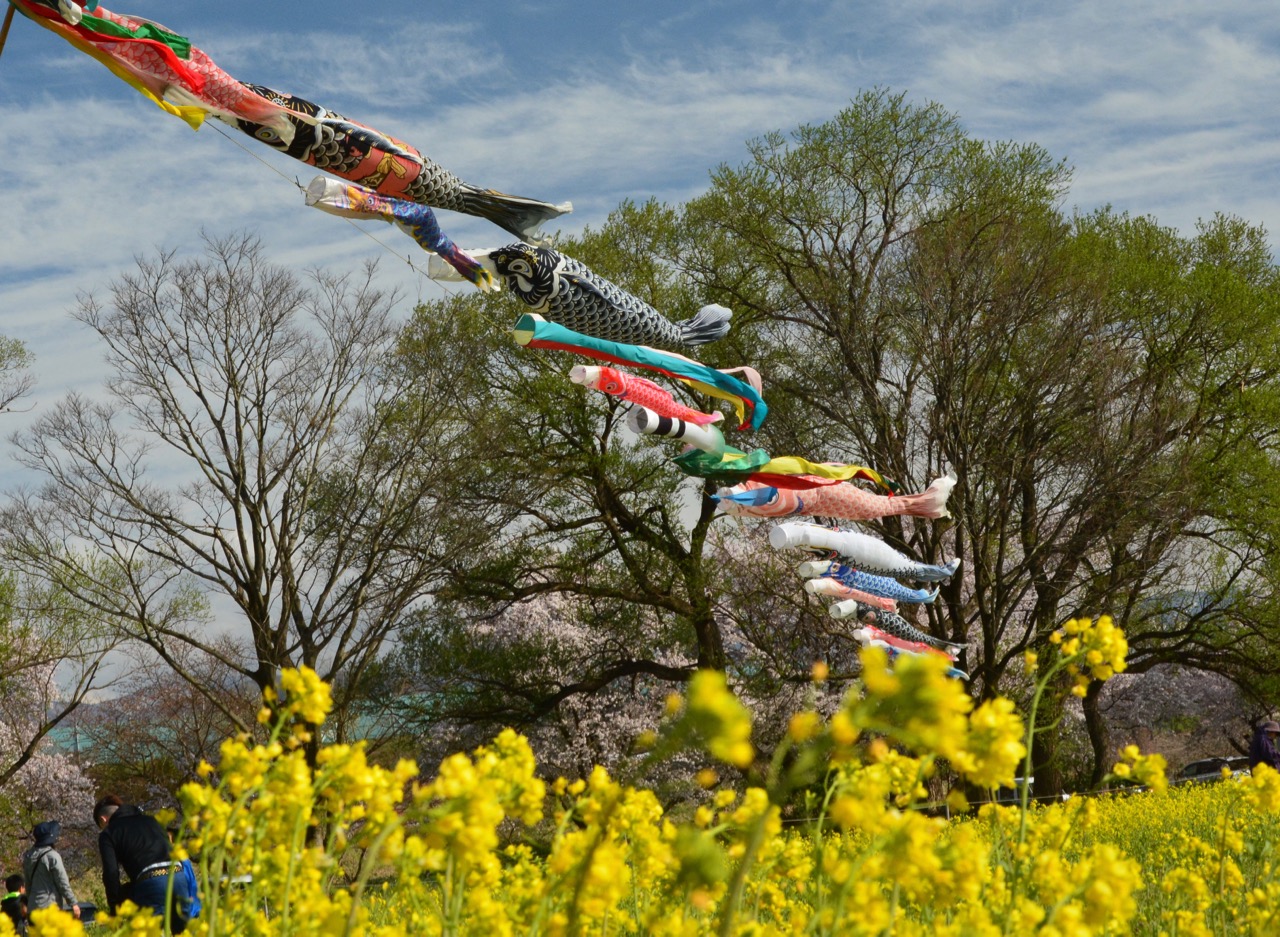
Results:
4 30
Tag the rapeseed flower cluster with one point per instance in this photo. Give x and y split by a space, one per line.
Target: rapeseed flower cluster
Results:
1145 769
827 838
713 716
1095 650
994 746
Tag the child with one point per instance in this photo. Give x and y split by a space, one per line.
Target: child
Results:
14 903
46 876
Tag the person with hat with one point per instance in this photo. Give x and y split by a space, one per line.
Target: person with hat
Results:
1262 750
47 882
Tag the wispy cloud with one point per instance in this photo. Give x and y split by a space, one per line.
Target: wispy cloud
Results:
1162 108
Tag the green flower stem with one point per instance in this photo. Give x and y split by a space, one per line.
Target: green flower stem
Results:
584 865
736 885
776 790
1024 796
543 906
366 869
820 889
296 840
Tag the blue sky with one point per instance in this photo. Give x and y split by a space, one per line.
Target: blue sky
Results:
1166 108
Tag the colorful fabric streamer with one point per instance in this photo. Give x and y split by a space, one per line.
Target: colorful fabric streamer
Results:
790 472
872 637
348 200
886 587
864 552
184 81
564 290
834 589
643 421
326 140
160 64
891 623
732 465
639 390
911 647
536 332
842 500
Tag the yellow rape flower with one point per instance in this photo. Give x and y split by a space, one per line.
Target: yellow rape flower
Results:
994 746
719 718
616 863
804 726
305 695
54 922
914 702
1262 789
1146 769
1100 645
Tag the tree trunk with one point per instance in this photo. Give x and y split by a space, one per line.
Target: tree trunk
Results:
1099 738
1044 747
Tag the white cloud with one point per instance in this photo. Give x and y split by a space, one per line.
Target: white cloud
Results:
398 67
1162 108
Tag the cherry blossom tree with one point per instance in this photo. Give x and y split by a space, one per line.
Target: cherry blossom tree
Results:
556 665
50 666
49 784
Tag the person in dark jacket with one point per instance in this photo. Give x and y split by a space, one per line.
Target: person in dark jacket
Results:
1262 750
138 845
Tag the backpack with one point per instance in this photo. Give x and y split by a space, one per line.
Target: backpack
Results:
189 875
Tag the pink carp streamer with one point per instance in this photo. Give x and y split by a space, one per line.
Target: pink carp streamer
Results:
844 500
838 590
639 390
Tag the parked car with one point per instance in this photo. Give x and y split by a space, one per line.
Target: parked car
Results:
1208 770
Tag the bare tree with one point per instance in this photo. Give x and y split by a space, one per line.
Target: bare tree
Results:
246 449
